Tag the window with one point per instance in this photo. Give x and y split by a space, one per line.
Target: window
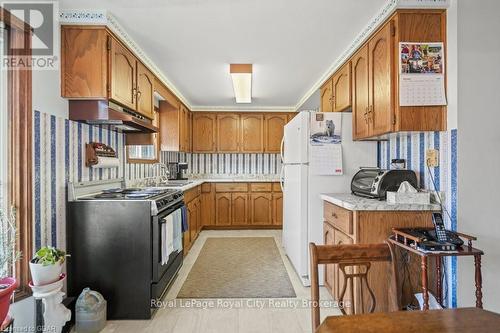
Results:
144 148
16 110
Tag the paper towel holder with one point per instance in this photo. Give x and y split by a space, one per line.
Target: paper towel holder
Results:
94 150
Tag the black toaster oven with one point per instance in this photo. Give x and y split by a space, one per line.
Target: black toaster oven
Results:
375 182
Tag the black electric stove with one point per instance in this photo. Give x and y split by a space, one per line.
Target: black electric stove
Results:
115 239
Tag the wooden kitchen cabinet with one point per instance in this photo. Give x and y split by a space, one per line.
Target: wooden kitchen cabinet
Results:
252 133
123 74
360 94
341 89
365 227
326 95
145 91
228 133
239 208
204 132
278 208
223 216
380 111
95 64
261 209
207 204
274 125
175 127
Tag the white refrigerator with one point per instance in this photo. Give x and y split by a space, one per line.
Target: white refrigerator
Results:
302 183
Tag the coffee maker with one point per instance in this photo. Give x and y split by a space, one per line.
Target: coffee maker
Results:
177 170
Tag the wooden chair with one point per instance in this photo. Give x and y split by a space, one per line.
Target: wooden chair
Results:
358 258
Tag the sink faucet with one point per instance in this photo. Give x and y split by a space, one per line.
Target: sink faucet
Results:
162 174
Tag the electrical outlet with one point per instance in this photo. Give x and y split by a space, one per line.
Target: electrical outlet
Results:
432 158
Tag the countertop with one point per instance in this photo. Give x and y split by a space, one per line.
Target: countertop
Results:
223 179
353 202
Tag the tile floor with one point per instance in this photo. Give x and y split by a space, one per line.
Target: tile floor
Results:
245 316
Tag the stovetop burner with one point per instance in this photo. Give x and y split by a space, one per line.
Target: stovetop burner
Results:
131 194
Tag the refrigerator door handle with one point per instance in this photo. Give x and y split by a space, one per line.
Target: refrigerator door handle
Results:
282 179
281 148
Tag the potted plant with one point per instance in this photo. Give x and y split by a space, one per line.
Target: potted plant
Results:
46 266
8 256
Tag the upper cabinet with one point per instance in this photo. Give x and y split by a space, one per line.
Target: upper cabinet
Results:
274 125
123 88
326 97
228 133
96 65
175 127
368 83
341 89
204 132
252 133
145 90
244 132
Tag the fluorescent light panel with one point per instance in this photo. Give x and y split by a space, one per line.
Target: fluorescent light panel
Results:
241 75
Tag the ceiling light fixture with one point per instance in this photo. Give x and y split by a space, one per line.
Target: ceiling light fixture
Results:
241 75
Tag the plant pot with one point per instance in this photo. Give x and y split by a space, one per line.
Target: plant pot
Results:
5 295
42 275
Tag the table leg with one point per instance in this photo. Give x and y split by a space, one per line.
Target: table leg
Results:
425 290
438 281
479 281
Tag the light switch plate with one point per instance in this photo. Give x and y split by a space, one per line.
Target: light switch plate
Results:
432 158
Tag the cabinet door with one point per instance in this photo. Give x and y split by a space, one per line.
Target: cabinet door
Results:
326 97
145 90
123 75
183 128
198 216
223 209
207 204
380 82
278 208
341 238
228 133
190 132
204 129
192 220
274 126
329 239
261 208
239 208
252 133
360 94
341 85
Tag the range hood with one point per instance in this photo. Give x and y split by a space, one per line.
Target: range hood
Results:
104 112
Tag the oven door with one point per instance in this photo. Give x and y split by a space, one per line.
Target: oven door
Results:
166 240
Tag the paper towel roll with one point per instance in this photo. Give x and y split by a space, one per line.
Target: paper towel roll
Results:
106 162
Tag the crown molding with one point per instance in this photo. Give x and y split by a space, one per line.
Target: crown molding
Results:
103 17
383 14
243 108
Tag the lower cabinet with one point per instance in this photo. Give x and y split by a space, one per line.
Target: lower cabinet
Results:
239 208
261 208
192 199
278 209
223 209
343 226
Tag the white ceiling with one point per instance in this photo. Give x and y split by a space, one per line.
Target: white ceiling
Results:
291 43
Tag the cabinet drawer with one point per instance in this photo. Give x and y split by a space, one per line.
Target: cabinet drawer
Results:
276 187
338 217
261 187
231 187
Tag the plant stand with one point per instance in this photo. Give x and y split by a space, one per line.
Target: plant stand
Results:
55 314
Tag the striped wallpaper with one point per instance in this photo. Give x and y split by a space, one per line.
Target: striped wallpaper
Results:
226 163
59 157
412 147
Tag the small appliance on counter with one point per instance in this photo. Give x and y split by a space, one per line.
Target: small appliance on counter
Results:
375 182
177 170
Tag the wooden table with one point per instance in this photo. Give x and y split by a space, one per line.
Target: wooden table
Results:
465 320
403 242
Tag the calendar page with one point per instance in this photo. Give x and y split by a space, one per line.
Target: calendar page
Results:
421 76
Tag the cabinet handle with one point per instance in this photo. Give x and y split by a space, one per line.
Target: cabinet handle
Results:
366 115
334 215
134 93
138 94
